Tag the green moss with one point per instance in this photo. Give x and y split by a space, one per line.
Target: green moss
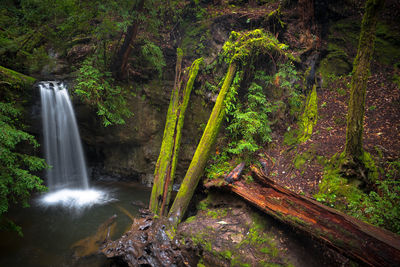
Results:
195 38
369 164
301 159
203 149
13 83
202 205
217 213
334 189
336 63
309 117
227 254
190 219
241 45
167 160
343 41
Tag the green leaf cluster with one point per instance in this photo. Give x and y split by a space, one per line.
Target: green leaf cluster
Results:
250 128
97 88
151 57
17 179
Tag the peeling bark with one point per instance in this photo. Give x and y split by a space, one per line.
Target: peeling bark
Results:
166 164
356 239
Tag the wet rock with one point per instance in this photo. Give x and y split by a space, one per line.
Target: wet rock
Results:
147 243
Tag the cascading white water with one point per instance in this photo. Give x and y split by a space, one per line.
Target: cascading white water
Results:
63 148
67 178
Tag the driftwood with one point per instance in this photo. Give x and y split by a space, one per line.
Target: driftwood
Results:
354 238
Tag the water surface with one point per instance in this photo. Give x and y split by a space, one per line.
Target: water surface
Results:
50 230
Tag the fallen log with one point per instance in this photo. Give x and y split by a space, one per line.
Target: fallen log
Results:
354 238
234 175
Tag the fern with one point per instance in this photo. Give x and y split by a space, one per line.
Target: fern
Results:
250 125
96 88
16 178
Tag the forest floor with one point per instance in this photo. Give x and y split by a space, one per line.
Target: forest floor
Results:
300 167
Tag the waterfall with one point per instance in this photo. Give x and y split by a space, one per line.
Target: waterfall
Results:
67 178
62 143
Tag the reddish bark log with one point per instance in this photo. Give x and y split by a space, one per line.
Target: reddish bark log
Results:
356 239
234 175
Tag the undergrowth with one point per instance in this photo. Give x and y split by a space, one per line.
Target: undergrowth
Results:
380 207
97 88
251 116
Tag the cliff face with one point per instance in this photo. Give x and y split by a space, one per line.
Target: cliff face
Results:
130 151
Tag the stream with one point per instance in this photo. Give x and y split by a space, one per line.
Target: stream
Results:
50 231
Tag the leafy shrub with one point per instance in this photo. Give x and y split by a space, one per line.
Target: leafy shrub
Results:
380 207
153 55
98 89
250 126
289 77
17 180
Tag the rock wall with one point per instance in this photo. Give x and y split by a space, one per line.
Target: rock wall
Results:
130 151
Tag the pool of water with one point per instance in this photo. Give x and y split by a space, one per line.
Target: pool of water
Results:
50 230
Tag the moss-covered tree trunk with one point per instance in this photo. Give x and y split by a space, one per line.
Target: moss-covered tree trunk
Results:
203 150
355 117
166 164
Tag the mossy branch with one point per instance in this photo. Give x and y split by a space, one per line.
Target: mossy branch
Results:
203 150
166 163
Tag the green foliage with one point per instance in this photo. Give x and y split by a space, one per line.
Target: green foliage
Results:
152 55
250 116
17 180
380 207
250 124
31 27
97 88
288 77
220 166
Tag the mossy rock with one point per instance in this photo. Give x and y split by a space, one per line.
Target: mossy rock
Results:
15 79
387 45
343 42
13 83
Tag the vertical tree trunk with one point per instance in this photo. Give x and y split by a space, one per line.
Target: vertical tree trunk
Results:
355 116
119 67
166 164
202 153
